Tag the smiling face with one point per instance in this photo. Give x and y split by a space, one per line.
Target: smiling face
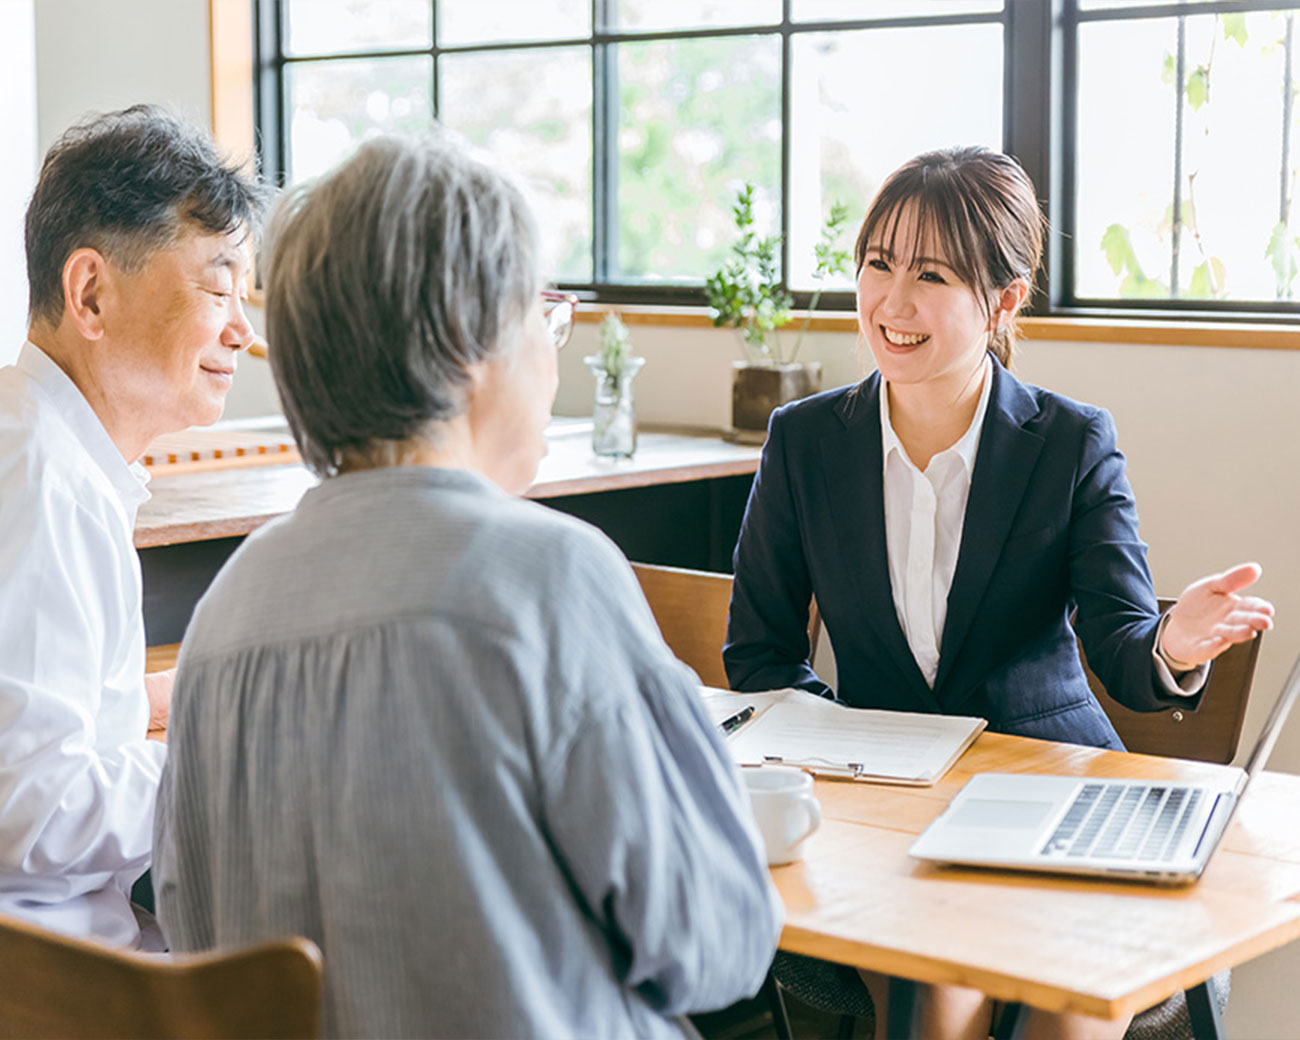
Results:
172 330
921 321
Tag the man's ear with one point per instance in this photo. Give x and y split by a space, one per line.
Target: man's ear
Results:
1008 303
85 280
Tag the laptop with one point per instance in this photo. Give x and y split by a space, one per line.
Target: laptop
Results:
1146 830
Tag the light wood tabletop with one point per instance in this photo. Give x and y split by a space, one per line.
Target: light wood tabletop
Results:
217 499
1102 948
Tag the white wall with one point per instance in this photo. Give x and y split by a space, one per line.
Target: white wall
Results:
100 55
18 171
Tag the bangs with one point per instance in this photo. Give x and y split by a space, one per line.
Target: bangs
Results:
946 219
942 229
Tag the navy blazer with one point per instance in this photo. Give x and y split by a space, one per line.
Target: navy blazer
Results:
1050 525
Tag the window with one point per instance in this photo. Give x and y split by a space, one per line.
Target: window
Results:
1185 156
1160 135
637 121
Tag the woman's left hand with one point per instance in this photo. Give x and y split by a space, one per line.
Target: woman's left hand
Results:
1210 616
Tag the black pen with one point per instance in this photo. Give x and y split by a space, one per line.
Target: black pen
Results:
737 720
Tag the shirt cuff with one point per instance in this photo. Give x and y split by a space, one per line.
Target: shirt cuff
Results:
1177 679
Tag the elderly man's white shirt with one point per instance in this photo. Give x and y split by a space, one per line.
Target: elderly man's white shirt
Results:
77 776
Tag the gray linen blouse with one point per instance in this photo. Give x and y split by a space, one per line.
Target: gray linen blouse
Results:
436 730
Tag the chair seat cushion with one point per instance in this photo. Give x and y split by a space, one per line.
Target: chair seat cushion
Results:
1169 1020
834 988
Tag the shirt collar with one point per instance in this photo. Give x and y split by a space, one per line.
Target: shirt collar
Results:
968 443
130 480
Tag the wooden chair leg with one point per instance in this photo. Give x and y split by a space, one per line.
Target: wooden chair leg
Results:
1203 1010
771 992
904 1018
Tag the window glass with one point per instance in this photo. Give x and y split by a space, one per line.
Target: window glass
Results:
697 119
339 26
462 22
641 15
850 131
334 105
531 110
1232 175
857 10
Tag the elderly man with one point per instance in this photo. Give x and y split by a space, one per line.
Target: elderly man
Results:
138 244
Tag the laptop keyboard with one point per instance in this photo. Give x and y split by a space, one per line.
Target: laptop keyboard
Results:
1116 821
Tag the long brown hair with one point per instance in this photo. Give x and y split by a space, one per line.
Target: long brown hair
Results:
980 207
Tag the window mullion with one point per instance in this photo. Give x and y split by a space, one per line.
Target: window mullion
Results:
269 91
604 146
1032 98
434 100
786 56
1176 219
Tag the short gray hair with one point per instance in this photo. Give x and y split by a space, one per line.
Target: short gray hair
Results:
386 280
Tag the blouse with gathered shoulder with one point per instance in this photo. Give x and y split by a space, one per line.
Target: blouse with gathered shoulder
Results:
435 729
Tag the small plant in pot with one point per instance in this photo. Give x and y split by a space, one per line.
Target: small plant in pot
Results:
746 293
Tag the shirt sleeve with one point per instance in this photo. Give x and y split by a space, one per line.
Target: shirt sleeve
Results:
649 819
1117 617
767 628
1175 680
73 801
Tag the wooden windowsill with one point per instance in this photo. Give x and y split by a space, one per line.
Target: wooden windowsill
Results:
1086 330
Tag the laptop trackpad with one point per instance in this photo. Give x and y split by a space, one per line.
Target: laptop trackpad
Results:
1000 812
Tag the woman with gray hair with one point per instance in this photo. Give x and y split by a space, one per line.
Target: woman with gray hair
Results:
427 724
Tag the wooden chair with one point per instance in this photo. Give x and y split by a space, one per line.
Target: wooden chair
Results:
691 609
1209 734
54 986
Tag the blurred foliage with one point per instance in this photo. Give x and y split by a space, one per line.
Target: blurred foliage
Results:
697 118
1209 277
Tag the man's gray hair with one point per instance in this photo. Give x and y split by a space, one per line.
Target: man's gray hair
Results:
387 279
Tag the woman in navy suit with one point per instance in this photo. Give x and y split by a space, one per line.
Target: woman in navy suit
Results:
957 527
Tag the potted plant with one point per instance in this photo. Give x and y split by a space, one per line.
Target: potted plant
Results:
613 430
746 293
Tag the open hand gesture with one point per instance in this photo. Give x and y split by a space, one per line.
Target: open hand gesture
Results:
1210 616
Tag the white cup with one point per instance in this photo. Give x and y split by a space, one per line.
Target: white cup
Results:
786 809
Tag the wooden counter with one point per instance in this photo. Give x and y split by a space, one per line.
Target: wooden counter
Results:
231 502
678 501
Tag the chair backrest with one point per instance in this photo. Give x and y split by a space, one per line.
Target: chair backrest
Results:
54 986
691 608
1209 734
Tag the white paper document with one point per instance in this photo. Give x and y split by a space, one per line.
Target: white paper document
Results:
793 727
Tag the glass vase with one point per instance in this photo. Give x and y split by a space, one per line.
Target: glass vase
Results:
613 430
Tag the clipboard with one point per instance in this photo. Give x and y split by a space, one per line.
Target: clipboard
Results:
797 728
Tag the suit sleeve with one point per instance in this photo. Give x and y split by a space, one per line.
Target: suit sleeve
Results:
1117 615
767 627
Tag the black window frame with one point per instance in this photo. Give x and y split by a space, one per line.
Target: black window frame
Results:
1039 122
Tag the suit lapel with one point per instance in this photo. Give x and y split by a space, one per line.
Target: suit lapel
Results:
855 490
1003 467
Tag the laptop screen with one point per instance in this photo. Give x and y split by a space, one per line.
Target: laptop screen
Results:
1273 727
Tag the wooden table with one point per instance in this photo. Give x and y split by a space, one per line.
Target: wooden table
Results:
1101 948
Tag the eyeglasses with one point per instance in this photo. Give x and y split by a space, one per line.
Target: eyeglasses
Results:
558 309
